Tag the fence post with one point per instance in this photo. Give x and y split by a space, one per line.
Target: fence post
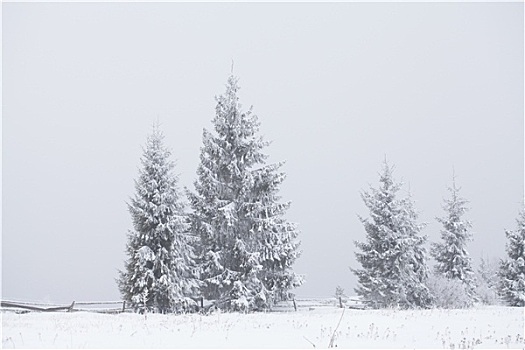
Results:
340 303
294 304
202 303
124 306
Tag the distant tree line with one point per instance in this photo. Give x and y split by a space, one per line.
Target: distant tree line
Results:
234 246
394 263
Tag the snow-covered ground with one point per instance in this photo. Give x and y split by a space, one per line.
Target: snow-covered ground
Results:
483 327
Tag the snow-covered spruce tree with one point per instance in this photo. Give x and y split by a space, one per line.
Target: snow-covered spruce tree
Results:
159 272
393 259
451 255
512 269
416 272
247 246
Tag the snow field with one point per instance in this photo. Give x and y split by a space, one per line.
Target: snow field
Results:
486 327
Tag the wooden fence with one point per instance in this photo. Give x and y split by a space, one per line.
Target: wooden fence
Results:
315 303
93 306
115 307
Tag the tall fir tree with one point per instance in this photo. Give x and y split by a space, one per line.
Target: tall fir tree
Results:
512 269
393 258
247 246
159 274
451 255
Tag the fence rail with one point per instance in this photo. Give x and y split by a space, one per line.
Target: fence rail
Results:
99 302
121 306
314 303
24 306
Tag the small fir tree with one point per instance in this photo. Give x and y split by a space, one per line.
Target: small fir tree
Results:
159 272
248 247
340 295
512 269
488 271
451 255
340 292
393 258
487 281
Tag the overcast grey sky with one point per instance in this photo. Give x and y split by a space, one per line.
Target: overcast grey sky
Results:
336 87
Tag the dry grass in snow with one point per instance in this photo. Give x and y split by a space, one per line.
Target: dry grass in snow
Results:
485 327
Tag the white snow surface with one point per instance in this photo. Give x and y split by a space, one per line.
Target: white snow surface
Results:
481 327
